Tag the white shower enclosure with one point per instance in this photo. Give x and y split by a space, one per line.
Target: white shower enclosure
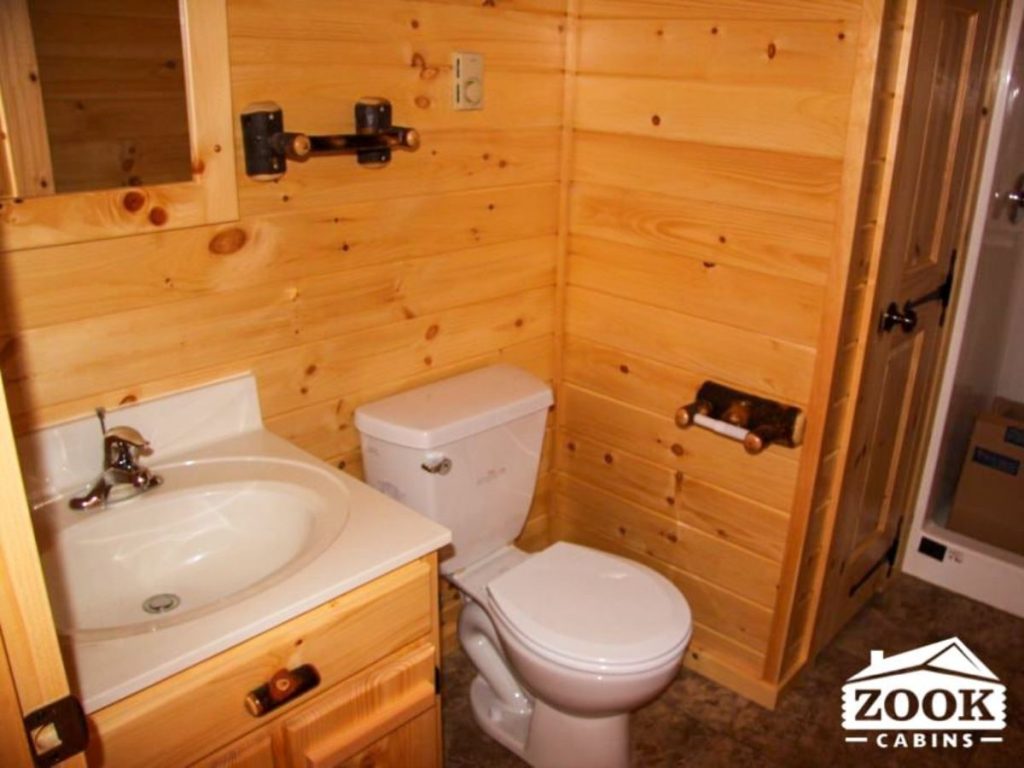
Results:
985 357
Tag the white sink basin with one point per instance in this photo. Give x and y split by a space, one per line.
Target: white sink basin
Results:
247 531
216 532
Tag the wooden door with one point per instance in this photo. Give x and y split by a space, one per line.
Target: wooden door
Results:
927 221
33 668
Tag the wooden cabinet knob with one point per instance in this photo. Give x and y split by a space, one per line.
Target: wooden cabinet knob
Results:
283 686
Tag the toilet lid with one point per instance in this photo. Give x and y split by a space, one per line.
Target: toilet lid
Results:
576 604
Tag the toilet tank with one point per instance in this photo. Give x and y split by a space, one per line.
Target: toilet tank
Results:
463 451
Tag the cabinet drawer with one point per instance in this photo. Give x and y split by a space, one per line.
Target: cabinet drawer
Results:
197 711
379 718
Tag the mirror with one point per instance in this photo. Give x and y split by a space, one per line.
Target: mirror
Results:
115 119
111 77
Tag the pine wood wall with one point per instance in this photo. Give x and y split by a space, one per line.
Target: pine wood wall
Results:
707 182
339 284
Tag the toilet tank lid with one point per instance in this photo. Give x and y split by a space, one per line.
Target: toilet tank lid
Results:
454 408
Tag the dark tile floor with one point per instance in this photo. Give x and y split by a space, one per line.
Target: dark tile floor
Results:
698 724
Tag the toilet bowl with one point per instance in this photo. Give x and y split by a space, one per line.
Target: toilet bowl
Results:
567 641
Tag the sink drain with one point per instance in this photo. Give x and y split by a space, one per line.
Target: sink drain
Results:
161 603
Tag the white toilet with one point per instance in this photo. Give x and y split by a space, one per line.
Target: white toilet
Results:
568 641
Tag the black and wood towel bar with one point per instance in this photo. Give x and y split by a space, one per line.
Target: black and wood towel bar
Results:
269 147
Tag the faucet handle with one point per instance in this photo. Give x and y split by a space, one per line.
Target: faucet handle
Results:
126 435
123 446
101 414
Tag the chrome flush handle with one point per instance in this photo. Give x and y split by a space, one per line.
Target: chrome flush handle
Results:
441 465
1015 199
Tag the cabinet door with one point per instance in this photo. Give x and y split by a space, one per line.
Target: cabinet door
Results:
387 716
254 751
413 745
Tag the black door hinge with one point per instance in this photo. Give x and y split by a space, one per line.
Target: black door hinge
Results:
57 731
889 557
437 680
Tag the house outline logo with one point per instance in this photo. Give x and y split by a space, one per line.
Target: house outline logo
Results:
938 695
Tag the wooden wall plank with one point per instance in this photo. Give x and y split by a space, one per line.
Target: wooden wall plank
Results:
765 242
448 161
698 288
732 517
707 643
554 7
43 286
107 77
263 338
716 9
618 471
70 365
784 120
761 361
410 20
792 184
325 428
742 621
113 30
157 9
514 99
817 55
766 478
631 378
672 540
343 35
67 121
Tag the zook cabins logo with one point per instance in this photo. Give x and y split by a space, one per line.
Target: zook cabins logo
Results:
939 695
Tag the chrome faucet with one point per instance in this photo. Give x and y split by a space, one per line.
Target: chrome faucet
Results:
122 476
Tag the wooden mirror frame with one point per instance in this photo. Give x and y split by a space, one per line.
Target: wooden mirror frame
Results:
210 197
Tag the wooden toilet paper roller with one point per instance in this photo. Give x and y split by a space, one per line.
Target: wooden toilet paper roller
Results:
752 420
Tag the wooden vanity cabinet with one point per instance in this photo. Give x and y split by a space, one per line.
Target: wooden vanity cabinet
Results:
376 651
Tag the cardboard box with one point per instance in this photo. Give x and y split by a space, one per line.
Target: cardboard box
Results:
989 502
1007 408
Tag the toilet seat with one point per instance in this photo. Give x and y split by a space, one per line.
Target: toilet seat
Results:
591 611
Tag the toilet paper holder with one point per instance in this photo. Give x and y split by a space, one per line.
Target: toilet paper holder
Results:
755 421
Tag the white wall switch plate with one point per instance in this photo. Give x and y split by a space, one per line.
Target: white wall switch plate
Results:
468 84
